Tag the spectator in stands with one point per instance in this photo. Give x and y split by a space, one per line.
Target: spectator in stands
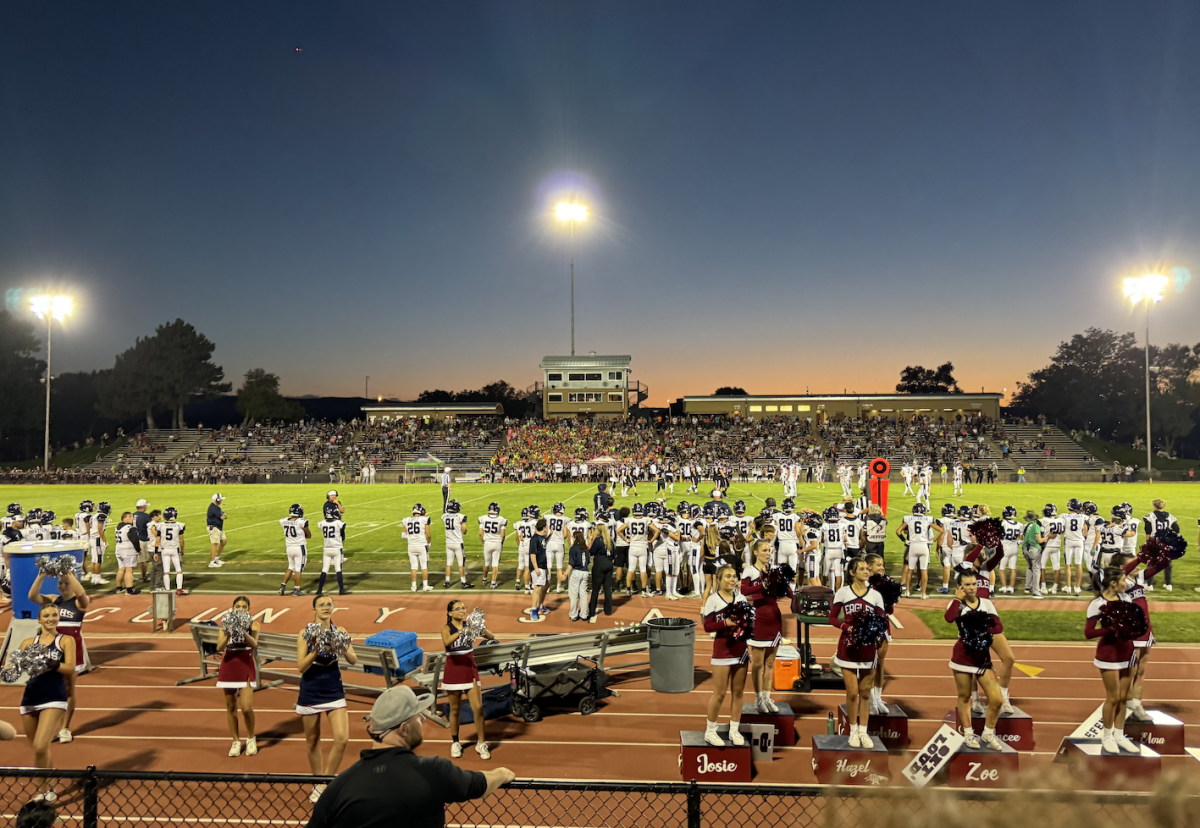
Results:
391 785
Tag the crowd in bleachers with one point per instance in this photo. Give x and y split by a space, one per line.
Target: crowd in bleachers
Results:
934 439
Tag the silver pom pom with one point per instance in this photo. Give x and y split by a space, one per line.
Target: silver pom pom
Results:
334 641
236 623
311 633
473 627
33 660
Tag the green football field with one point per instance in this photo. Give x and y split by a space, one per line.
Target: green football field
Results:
376 553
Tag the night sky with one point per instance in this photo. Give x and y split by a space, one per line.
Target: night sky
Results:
784 196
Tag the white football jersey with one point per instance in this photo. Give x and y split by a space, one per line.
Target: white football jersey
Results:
833 534
637 529
414 530
557 525
1011 532
169 533
854 528
786 525
493 527
293 530
919 527
578 526
525 531
1074 526
454 523
333 534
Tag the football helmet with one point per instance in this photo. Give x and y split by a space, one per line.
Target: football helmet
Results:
86 506
14 508
559 509
493 508
49 517
581 514
789 505
696 512
726 533
525 513
1090 507
535 511
919 509
1127 508
296 510
104 507
709 511
34 516
170 513
830 513
1050 510
454 507
948 510
418 509
812 520
638 510
331 511
1074 505
1118 512
739 507
1010 513
684 507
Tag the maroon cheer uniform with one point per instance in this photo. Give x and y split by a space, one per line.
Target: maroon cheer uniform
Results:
1137 594
964 660
768 620
461 672
1112 653
726 651
988 559
846 604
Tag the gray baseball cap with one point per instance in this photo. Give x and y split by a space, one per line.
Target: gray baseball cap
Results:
395 706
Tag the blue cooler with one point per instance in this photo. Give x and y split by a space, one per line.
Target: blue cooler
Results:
23 561
404 644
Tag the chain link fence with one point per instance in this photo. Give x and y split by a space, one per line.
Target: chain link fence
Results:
90 798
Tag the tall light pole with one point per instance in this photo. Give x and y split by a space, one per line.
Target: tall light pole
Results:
50 308
1148 289
571 213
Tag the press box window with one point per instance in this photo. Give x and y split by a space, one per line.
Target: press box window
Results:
591 377
555 398
614 375
554 378
575 377
756 408
614 397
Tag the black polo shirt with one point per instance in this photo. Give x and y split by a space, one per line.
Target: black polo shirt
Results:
393 786
537 550
141 520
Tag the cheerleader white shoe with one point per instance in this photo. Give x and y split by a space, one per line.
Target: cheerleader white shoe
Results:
735 735
713 738
855 738
65 736
1125 743
1109 745
456 750
970 740
761 706
990 740
1006 707
771 705
482 750
236 748
866 740
251 746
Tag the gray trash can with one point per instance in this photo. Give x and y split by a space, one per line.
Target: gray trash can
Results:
672 654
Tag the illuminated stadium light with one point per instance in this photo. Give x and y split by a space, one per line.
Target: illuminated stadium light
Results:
1149 288
569 211
51 309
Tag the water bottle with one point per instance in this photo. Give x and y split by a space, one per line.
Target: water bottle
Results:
830 726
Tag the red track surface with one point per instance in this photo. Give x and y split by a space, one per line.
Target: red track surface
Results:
132 716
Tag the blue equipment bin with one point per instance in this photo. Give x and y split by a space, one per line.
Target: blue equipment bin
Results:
404 644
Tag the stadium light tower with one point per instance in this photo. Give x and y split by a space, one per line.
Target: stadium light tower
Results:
50 308
1148 289
572 213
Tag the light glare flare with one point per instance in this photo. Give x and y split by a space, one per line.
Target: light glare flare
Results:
1149 287
567 211
57 307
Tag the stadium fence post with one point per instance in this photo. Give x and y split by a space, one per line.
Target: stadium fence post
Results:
91 799
693 805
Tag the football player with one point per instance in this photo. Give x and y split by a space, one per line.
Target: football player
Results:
333 537
416 530
917 530
556 547
833 541
455 521
493 528
1011 532
1052 530
524 530
638 532
171 547
295 534
1076 532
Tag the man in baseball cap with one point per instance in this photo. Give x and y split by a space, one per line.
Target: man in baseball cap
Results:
215 522
390 785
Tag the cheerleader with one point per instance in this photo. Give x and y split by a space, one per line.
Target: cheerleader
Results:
878 707
72 602
321 692
462 676
1115 657
729 659
856 662
236 677
1143 643
984 562
970 665
710 551
768 625
44 703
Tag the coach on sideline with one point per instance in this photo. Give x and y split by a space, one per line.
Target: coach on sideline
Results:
445 486
215 520
390 785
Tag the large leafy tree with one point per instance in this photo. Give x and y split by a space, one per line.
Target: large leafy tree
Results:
917 379
512 399
161 372
1096 380
259 400
21 400
730 391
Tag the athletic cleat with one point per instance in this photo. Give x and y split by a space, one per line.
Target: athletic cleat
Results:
215 565
100 580
469 585
1168 588
426 589
943 590
296 593
1054 590
447 584
133 591
345 592
181 592
282 590
456 750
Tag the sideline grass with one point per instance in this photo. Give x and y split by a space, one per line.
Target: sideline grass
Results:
376 553
1064 625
